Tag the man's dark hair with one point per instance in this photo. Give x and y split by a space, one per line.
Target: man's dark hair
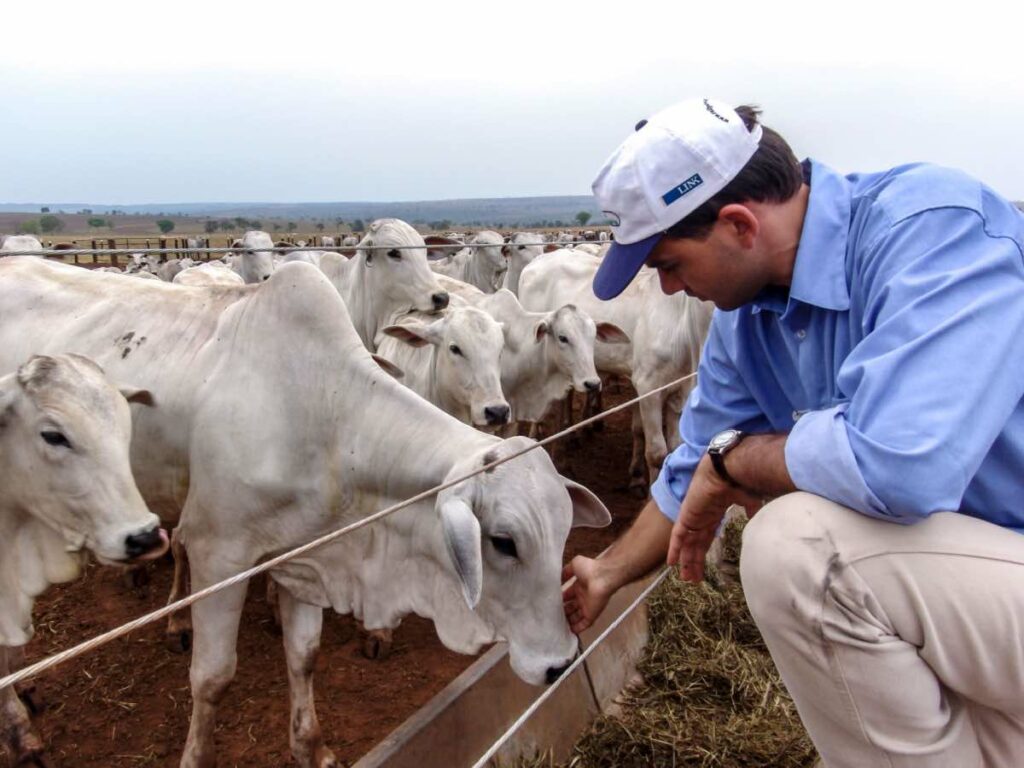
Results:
772 175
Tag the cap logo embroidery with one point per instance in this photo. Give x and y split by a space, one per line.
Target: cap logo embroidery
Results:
709 108
678 191
613 218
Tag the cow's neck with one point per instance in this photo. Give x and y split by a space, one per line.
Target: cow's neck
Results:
361 303
32 556
436 393
535 380
407 445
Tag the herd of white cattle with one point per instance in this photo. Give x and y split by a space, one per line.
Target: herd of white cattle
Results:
284 396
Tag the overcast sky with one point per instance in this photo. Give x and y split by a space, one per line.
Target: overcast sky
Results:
134 102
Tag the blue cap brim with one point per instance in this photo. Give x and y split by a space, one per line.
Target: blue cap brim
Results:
620 266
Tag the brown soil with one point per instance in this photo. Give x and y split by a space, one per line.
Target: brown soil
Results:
128 703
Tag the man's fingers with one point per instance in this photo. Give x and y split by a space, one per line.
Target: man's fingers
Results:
567 572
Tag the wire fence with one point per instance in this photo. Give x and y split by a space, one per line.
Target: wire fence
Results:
107 637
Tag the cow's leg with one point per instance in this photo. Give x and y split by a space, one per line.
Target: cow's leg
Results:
214 658
652 420
179 626
26 749
301 625
637 463
274 601
26 690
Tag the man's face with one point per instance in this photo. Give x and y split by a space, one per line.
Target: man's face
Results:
716 269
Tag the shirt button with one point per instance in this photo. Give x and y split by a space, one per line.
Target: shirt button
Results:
801 334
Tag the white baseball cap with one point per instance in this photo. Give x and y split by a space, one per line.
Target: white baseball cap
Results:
671 165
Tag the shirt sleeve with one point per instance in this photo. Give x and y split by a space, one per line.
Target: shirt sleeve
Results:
933 380
720 400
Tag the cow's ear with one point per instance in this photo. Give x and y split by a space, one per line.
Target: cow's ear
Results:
38 370
610 333
417 333
462 538
539 330
138 395
588 511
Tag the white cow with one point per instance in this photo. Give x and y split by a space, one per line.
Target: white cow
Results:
142 262
65 487
521 250
172 267
350 241
257 256
208 273
326 241
386 278
19 244
546 354
667 334
483 265
275 426
454 362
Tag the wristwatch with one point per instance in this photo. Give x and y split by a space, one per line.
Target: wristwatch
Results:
720 445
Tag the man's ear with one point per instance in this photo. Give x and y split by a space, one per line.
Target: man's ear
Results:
741 223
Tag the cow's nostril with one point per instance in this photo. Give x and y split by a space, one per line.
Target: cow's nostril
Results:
497 414
440 300
592 385
554 673
138 544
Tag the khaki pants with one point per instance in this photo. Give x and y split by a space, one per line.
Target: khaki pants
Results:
901 645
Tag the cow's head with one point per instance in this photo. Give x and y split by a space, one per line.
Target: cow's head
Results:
570 334
467 362
504 533
491 251
397 272
66 431
257 257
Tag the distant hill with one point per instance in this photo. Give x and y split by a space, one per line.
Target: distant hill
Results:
507 211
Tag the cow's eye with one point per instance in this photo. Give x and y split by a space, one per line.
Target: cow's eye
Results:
53 437
563 339
505 545
395 254
522 247
454 349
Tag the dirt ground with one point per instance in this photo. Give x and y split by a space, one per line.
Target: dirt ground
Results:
128 704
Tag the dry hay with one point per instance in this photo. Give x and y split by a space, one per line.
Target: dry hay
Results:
710 695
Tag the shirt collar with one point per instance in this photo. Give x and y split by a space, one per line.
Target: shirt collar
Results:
819 273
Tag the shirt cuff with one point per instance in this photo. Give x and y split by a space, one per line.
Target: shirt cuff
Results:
820 461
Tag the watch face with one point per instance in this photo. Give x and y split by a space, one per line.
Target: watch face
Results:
722 439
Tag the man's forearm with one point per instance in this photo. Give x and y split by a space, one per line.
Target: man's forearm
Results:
640 550
758 464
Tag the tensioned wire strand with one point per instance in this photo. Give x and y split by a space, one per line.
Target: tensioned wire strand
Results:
289 248
103 639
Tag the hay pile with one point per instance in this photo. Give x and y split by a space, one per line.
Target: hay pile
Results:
711 696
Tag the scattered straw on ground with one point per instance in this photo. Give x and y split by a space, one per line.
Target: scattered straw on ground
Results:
711 696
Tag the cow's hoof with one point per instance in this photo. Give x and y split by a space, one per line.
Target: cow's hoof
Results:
376 648
179 641
29 752
326 759
31 698
136 577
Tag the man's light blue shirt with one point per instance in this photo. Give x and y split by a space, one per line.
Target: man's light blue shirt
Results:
895 361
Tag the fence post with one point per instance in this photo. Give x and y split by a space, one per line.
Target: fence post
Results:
112 244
